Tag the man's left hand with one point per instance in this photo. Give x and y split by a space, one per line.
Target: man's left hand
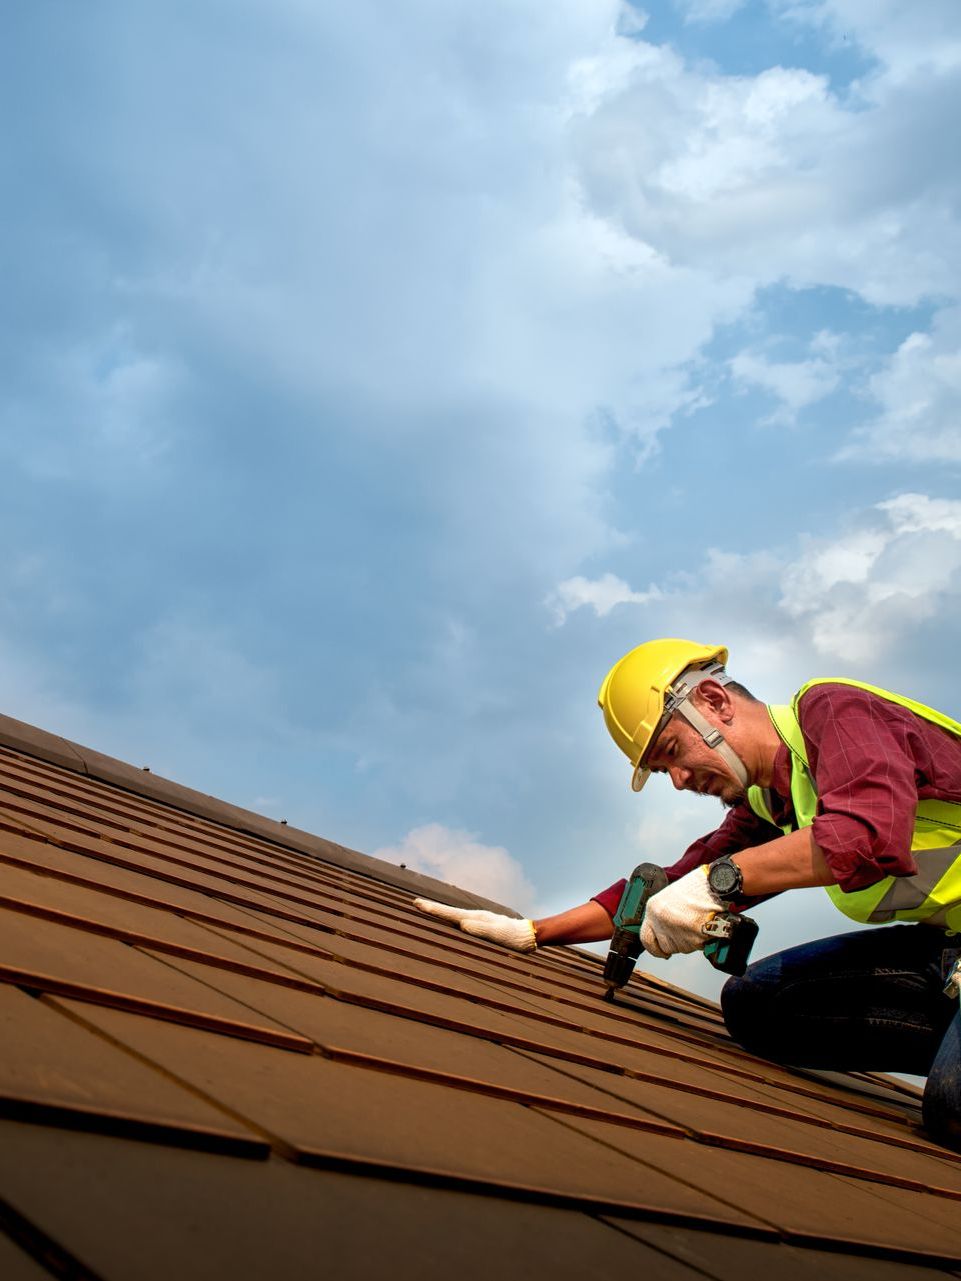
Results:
674 919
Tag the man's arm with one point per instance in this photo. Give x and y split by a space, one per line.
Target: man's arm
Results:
588 923
787 863
740 829
593 921
861 752
858 747
791 862
675 919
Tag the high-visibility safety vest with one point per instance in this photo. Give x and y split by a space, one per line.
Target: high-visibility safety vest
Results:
933 894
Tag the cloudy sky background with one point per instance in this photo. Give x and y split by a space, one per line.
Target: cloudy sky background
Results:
373 376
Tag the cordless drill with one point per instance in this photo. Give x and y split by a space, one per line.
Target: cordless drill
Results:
731 936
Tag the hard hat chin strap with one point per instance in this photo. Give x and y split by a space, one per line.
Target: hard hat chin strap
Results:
713 738
679 700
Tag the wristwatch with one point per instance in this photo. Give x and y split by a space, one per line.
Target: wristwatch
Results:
725 880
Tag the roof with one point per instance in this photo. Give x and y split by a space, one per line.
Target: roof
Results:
233 1049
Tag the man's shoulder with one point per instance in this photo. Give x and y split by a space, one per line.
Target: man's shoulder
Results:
834 710
833 688
828 696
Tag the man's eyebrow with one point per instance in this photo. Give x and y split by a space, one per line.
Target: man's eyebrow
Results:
658 751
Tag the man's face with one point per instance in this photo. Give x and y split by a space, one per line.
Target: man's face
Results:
680 751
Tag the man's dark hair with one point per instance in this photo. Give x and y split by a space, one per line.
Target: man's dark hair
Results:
738 688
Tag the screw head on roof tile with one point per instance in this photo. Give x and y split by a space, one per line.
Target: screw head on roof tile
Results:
145 768
404 866
283 822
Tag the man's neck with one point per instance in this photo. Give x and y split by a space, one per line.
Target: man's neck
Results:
762 745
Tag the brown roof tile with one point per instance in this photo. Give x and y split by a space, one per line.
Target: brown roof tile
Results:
198 1216
53 1067
235 1049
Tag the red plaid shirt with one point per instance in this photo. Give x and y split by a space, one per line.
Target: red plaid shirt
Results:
872 762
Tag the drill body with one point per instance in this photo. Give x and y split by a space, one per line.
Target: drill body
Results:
645 880
731 936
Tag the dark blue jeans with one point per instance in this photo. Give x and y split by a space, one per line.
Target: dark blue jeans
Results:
871 1001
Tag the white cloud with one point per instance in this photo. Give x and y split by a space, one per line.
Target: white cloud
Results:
796 384
662 196
630 21
593 77
919 391
600 594
906 38
460 859
775 177
862 595
916 513
859 593
854 597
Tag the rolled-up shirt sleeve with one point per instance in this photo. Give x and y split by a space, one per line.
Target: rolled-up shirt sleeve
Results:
864 773
740 830
610 897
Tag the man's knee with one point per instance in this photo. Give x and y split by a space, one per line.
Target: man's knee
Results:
749 1006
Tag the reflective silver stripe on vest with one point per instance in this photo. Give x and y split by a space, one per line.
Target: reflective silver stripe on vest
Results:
909 892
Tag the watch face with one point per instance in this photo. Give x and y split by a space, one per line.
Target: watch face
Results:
723 878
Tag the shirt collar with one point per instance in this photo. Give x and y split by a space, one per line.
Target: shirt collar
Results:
781 773
782 808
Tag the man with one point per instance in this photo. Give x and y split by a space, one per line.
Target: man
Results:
849 787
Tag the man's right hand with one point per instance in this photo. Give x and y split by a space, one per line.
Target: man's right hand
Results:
518 935
675 917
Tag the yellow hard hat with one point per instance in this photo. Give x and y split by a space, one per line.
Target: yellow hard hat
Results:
637 695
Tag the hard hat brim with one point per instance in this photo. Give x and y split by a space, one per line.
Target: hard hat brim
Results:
639 778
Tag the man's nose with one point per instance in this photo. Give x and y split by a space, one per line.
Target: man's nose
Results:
680 777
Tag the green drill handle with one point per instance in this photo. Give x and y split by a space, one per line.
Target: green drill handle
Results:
645 880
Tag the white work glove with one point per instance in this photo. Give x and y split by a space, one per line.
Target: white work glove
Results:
674 918
505 930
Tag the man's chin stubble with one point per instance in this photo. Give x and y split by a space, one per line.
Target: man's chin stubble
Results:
729 801
732 800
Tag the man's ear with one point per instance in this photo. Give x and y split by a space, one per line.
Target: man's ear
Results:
711 696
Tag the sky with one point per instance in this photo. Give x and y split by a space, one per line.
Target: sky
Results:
375 375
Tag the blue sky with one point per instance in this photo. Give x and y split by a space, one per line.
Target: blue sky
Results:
375 375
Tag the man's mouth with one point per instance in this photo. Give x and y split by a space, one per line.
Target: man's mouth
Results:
714 787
